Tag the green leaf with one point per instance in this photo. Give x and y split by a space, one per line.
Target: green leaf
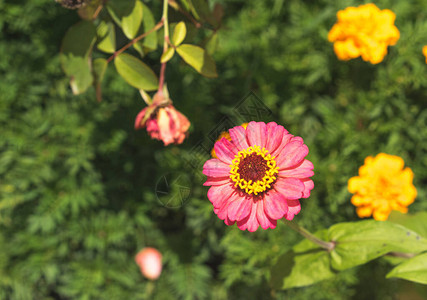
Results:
77 68
132 22
305 264
107 37
135 72
416 222
198 59
75 49
202 10
179 34
150 41
119 9
167 55
360 242
79 39
212 44
99 68
414 269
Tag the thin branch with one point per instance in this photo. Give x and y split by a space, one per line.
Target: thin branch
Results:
155 28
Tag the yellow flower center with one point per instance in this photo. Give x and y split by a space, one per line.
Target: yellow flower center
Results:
253 170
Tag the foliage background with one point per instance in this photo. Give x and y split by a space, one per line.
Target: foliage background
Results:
77 183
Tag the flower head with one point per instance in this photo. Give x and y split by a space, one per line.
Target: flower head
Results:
382 186
150 262
163 121
425 52
364 31
259 176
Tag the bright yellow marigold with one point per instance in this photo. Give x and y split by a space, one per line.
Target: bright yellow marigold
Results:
364 31
382 186
425 52
226 135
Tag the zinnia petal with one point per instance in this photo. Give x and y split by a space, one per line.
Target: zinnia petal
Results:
303 170
290 188
238 136
256 133
216 168
275 205
219 195
294 207
292 154
225 150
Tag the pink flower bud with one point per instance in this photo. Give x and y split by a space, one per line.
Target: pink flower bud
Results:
150 262
164 122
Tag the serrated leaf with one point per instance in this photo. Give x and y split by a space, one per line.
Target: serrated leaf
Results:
107 37
119 9
75 49
305 264
132 22
167 55
360 242
99 68
414 269
179 33
198 58
135 72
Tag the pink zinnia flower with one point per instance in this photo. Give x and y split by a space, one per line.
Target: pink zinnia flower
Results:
259 176
149 261
163 121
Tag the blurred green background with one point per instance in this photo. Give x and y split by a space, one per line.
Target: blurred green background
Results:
81 192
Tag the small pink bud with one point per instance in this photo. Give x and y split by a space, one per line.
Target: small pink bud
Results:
150 262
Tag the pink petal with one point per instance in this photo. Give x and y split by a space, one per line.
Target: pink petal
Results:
274 136
304 170
250 222
262 218
216 168
218 195
228 222
257 134
216 181
238 136
294 207
308 186
292 154
285 140
225 150
239 209
275 205
290 188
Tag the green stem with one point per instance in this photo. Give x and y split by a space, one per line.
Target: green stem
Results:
309 236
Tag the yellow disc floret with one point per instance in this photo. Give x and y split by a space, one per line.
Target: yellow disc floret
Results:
253 170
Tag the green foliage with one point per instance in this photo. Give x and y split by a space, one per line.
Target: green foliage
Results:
78 185
414 269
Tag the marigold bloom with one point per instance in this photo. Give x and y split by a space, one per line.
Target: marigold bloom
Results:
164 122
226 135
364 31
425 52
149 261
382 186
259 176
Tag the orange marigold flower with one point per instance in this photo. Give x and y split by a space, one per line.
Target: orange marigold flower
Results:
225 135
382 186
364 31
425 52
